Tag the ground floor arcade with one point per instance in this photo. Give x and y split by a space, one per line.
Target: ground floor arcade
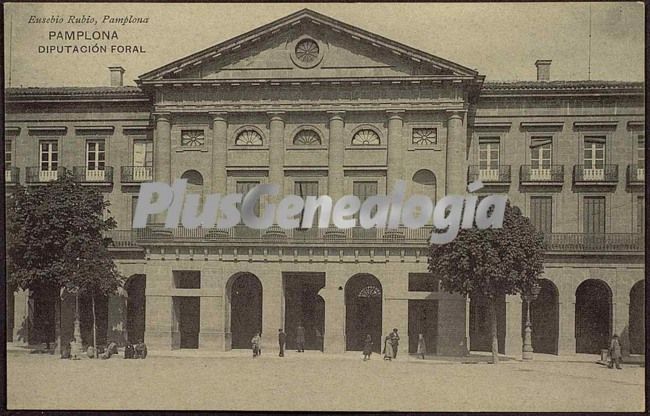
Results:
218 305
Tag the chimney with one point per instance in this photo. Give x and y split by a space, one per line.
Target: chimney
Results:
543 69
117 75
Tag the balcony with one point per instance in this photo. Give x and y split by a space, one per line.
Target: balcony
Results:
136 174
493 176
36 175
93 176
607 175
600 243
636 174
12 176
553 175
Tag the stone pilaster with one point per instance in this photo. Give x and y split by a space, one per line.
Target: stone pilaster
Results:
116 328
211 334
621 323
456 177
158 324
272 311
395 149
567 325
336 152
219 152
334 334
513 337
162 148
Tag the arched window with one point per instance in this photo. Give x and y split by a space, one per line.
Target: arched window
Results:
370 292
194 181
424 183
249 137
307 137
366 137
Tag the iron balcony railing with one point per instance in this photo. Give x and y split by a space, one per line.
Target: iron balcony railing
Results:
556 242
539 174
34 174
12 175
83 174
636 174
500 174
600 242
605 173
133 174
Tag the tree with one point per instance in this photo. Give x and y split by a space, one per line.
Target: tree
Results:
491 262
55 240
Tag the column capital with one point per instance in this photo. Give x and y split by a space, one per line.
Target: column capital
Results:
455 114
219 115
275 115
395 114
161 115
336 114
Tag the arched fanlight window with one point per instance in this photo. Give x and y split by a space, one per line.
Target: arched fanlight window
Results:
365 137
307 137
370 292
249 137
424 183
194 182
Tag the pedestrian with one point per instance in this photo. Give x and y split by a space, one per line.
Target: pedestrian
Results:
282 338
255 343
422 347
319 340
388 348
615 353
394 340
300 338
367 348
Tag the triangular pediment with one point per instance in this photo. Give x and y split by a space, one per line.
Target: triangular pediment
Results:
306 44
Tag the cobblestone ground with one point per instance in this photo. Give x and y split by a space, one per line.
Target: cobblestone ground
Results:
316 382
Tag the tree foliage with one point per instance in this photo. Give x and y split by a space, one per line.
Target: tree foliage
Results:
491 262
55 239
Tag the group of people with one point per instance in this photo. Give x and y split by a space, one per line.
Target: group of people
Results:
256 341
391 345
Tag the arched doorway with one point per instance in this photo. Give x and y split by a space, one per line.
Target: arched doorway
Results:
136 308
593 316
245 294
480 337
363 312
636 318
544 318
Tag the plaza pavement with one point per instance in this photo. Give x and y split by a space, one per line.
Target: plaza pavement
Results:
316 381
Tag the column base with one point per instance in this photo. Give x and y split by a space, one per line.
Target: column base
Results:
159 340
334 343
213 341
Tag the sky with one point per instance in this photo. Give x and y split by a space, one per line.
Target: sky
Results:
500 40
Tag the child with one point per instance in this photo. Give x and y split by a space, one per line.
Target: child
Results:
255 342
367 348
422 348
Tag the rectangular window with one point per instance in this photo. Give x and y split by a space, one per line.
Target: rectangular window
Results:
594 215
95 155
488 152
142 153
541 213
243 187
306 188
594 153
8 146
423 282
540 153
49 156
187 279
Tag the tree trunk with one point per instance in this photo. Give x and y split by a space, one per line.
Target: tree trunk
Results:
493 330
58 349
94 324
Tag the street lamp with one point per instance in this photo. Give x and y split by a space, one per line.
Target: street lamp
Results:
529 296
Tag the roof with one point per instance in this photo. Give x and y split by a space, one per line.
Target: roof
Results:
83 91
292 19
532 87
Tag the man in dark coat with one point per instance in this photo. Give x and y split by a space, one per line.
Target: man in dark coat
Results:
300 338
394 341
615 352
282 338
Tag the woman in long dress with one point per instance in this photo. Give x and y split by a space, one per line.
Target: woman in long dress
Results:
367 348
422 347
388 348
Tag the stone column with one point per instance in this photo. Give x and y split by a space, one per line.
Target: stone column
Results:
452 326
162 148
567 325
219 152
336 187
21 329
456 177
272 311
395 314
276 150
158 324
395 149
513 337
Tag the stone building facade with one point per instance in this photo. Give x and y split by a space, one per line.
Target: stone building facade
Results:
320 107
